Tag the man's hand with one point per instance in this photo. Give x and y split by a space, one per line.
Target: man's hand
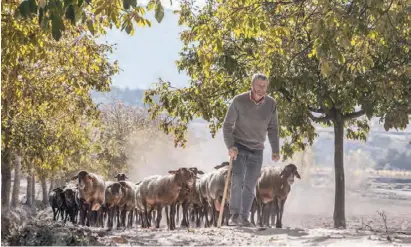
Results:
232 152
275 157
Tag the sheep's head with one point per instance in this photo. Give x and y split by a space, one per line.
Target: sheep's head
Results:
184 176
116 190
196 171
289 172
70 195
121 177
85 180
59 189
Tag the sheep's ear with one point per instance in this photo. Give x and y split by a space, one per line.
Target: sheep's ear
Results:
172 172
200 172
297 174
125 177
225 163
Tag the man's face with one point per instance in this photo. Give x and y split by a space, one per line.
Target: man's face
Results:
260 87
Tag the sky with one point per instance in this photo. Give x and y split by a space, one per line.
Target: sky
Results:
150 53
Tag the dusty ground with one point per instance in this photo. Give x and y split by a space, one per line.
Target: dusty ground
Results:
307 221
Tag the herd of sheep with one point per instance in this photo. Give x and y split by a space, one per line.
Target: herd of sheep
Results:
92 201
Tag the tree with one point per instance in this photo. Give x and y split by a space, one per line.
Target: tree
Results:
121 124
46 107
329 63
54 16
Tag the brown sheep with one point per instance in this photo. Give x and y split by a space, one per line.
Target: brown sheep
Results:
141 204
274 184
187 197
113 194
127 203
211 189
164 190
90 195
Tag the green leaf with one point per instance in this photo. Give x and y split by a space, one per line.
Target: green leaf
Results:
90 26
159 11
129 28
126 4
33 6
133 3
151 4
24 8
57 27
68 3
70 14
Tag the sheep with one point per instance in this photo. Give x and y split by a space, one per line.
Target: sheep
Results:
90 195
71 207
56 200
187 197
127 203
141 190
164 190
112 195
198 204
274 185
211 189
139 205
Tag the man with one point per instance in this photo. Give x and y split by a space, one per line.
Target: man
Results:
250 117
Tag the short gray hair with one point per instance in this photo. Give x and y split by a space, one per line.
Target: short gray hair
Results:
259 76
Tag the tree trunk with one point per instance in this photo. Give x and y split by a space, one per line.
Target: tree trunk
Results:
44 190
339 203
5 178
29 196
29 200
33 187
17 178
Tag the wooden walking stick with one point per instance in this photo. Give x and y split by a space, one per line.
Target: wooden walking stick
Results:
227 181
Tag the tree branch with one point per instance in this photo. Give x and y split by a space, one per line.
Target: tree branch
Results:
320 119
312 109
289 98
353 115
